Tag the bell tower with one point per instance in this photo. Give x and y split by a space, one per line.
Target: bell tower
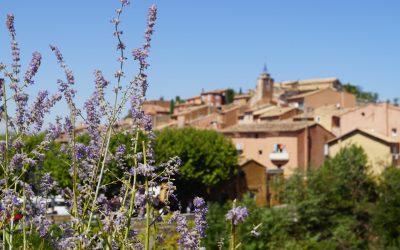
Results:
265 87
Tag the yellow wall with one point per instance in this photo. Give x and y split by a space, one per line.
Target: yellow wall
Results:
379 155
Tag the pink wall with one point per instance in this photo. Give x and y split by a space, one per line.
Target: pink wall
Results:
251 147
330 97
382 118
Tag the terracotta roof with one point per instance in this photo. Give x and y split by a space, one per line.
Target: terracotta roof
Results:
311 81
324 110
258 108
243 96
302 95
376 135
277 111
194 97
190 109
268 127
217 91
246 161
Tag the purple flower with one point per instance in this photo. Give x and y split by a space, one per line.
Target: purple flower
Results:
17 162
146 170
80 151
125 2
200 212
55 130
10 24
33 67
237 215
57 52
41 106
119 155
190 238
21 100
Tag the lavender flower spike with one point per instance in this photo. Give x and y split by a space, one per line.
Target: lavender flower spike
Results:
10 25
200 212
33 67
237 215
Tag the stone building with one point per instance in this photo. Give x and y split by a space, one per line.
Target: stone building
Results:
298 145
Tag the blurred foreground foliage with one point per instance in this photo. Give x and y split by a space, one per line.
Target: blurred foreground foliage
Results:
208 158
339 206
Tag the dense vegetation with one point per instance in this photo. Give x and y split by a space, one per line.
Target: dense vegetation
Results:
338 206
362 96
208 158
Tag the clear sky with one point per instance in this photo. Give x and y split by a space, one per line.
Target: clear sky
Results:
215 44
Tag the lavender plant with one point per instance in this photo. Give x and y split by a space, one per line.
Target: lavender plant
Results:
97 221
235 216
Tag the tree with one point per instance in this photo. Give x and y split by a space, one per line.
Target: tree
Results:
171 106
387 212
208 158
332 206
178 99
361 95
229 96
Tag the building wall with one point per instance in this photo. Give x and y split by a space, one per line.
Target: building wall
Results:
194 101
302 152
229 117
205 122
283 116
379 154
213 99
330 97
240 101
382 118
394 122
311 86
319 137
251 147
187 117
256 181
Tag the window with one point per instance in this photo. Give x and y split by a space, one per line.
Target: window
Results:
363 114
394 131
279 148
336 121
239 147
260 152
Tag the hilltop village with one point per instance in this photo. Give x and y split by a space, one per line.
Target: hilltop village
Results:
282 126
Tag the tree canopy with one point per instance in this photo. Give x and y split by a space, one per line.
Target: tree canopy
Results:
363 96
208 158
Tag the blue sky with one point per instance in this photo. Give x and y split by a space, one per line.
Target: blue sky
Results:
215 44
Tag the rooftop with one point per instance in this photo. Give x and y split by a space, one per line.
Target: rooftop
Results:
283 126
367 132
332 110
311 81
277 111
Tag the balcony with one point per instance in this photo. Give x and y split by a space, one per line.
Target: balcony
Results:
279 158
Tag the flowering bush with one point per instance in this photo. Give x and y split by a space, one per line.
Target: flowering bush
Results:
97 221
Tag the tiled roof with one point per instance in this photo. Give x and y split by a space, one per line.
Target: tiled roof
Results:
217 91
190 109
242 96
302 95
311 81
268 127
368 132
325 110
277 111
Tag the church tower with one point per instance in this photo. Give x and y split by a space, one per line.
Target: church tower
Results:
265 87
